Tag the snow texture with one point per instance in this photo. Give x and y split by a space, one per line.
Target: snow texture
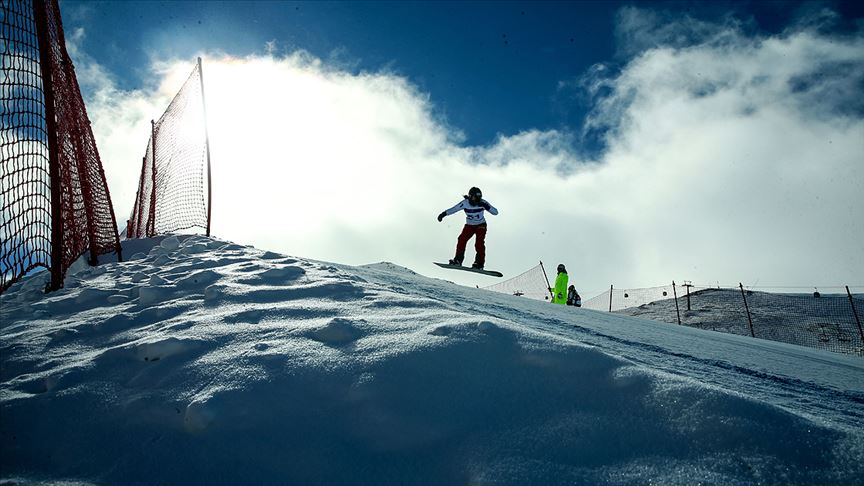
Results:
203 361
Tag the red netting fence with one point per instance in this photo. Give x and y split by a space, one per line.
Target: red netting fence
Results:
174 189
54 200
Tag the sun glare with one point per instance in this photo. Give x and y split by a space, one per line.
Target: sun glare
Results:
284 140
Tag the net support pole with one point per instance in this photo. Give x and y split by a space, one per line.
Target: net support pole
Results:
675 294
855 313
139 203
746 308
39 12
611 287
206 147
548 285
688 294
151 221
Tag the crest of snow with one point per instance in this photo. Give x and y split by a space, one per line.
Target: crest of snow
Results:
204 361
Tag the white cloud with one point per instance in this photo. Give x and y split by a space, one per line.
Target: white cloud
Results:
734 159
752 148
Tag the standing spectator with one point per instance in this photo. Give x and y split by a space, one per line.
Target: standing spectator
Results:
559 293
573 297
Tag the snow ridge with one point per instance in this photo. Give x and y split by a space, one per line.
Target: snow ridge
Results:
200 360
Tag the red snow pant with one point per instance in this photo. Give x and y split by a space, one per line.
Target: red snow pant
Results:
479 243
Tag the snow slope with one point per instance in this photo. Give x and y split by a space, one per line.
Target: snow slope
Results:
826 322
203 361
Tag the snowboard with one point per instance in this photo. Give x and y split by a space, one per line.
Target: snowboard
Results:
491 273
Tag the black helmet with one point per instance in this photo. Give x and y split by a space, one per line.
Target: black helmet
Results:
475 192
561 268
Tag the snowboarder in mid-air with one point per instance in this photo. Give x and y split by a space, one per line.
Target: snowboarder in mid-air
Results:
475 225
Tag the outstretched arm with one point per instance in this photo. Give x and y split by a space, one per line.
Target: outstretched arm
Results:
489 207
450 211
455 209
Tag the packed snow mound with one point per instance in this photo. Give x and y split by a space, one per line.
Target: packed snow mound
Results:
201 361
388 267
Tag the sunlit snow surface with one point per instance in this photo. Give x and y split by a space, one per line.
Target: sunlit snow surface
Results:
203 361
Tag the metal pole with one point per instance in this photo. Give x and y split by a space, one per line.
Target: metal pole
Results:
687 286
610 297
139 202
151 221
675 293
207 145
855 312
548 285
39 12
747 308
688 297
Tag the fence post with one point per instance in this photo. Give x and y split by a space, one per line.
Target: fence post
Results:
687 285
747 308
207 146
675 293
40 16
139 203
151 221
611 287
855 312
548 285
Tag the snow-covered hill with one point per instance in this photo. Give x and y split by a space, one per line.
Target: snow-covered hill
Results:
826 322
203 361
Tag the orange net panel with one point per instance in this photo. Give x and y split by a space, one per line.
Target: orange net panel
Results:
173 192
54 201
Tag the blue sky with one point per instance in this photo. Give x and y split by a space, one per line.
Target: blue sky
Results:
635 142
489 67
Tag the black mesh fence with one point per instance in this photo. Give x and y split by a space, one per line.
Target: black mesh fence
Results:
829 318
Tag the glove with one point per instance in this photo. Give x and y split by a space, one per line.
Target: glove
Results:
441 216
485 205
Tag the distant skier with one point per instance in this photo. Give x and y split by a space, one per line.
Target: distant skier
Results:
475 225
559 293
573 297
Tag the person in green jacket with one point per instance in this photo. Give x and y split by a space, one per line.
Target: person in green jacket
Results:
559 293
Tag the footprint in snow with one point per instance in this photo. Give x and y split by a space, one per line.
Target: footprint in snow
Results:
337 332
276 276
